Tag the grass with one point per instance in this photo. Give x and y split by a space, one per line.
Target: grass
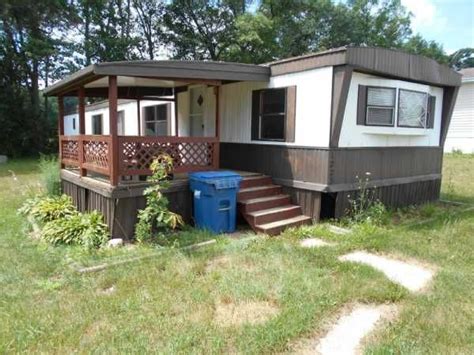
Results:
171 304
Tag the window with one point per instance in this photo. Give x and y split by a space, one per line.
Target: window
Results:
97 124
270 122
121 123
380 106
156 120
412 107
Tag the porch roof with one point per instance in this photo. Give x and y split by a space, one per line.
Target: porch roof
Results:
157 74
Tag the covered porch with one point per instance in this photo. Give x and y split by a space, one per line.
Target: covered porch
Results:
121 158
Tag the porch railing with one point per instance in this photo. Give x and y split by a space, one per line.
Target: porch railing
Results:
135 153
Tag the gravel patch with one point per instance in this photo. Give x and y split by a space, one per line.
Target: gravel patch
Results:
409 275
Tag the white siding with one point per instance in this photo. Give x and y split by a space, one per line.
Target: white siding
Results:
461 130
353 135
131 122
69 129
313 108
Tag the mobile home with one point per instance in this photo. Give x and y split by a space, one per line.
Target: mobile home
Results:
303 131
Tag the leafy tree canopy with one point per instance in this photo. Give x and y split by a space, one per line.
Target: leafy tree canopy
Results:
42 41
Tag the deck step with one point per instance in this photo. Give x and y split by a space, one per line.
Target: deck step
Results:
274 228
274 214
253 181
258 191
263 203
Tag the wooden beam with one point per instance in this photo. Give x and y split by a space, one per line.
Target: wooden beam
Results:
342 76
176 118
113 148
216 156
60 125
132 92
449 99
82 128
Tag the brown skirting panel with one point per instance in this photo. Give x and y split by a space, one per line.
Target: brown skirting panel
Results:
121 213
320 169
277 161
394 196
310 201
383 163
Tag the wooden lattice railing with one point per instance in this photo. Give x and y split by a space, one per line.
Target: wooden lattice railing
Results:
86 152
188 153
135 154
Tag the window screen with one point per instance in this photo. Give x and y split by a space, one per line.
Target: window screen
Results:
412 109
380 106
272 115
156 120
97 124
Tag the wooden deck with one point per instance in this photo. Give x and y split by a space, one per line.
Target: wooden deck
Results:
95 154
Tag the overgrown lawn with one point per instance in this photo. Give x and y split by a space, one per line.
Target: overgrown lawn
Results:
181 302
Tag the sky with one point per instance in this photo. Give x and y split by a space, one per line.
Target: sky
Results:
449 22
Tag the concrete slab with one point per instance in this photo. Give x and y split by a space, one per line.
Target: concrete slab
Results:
338 230
346 336
409 275
314 243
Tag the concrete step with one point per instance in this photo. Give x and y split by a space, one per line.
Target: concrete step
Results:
262 203
274 214
274 228
258 191
253 181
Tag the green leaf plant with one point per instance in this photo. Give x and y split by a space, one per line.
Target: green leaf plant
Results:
156 219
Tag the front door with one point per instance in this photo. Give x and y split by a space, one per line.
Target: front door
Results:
196 111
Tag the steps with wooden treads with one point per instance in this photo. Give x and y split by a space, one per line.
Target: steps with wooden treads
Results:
266 208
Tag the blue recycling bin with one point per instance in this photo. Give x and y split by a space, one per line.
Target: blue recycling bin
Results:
215 199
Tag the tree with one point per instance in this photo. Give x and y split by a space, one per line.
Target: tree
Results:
418 45
462 58
30 40
200 29
108 31
149 15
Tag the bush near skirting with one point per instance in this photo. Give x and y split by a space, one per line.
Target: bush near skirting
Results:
55 220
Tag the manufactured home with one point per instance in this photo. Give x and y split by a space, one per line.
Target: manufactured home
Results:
302 131
461 130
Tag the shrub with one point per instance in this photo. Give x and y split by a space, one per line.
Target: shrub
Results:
156 218
364 206
86 229
50 175
46 209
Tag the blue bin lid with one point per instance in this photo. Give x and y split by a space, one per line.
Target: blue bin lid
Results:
220 179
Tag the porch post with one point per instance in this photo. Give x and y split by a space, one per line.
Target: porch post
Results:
176 118
216 157
60 127
113 143
82 128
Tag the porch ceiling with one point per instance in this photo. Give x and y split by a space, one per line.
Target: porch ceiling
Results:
157 74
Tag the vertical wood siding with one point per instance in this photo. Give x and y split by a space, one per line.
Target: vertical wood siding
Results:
310 201
394 196
280 162
120 214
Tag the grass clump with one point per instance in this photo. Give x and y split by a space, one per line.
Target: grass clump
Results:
50 175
